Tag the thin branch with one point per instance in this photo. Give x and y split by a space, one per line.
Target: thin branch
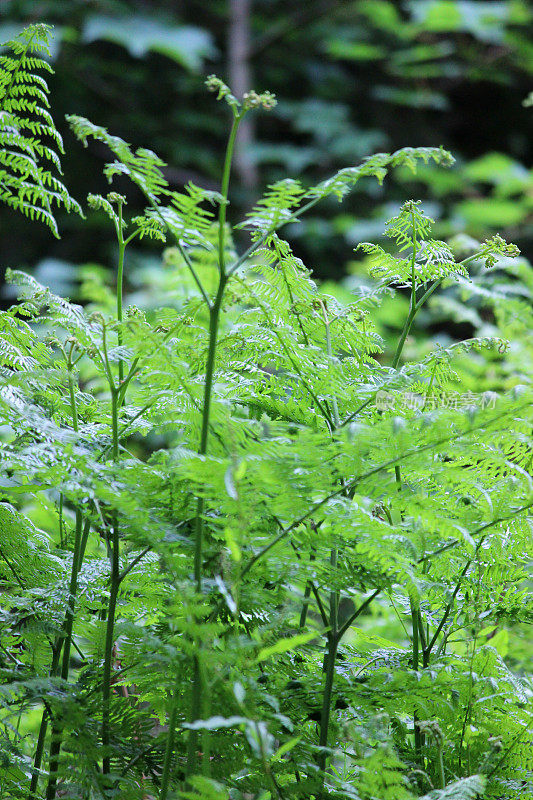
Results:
349 622
12 568
449 607
193 272
134 563
313 588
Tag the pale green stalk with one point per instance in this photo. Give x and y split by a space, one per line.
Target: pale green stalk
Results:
120 282
198 688
55 745
112 607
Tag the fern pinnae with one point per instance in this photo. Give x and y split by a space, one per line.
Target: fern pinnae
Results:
25 185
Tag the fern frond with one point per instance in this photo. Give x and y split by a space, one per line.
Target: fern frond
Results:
143 166
469 788
275 208
24 184
429 260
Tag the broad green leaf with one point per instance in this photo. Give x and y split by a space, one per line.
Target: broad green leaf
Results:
187 45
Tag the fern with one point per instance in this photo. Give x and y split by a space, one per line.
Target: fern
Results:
26 184
465 789
224 564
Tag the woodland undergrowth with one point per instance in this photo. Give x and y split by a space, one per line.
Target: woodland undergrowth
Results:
246 549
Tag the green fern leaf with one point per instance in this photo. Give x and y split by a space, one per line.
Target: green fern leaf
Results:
25 184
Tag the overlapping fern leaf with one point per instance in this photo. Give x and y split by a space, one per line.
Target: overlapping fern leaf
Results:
29 141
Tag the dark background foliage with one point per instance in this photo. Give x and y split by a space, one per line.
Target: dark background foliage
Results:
353 78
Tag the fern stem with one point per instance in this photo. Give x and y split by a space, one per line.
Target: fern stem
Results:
73 405
414 619
193 272
307 592
73 588
198 684
198 689
39 750
403 336
440 764
111 611
55 745
329 350
224 191
326 705
169 745
333 643
83 543
120 282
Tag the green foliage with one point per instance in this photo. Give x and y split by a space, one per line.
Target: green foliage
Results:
246 549
26 125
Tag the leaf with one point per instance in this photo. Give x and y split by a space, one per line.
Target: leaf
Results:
480 213
465 789
355 51
286 748
186 44
215 723
229 483
484 20
205 789
285 645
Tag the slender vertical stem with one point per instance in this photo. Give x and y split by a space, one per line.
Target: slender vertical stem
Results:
73 406
39 751
327 323
224 191
55 744
61 520
111 612
120 281
414 619
305 605
333 643
326 705
169 746
73 588
415 306
83 543
403 336
198 687
199 696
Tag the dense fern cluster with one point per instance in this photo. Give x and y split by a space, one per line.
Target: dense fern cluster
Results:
228 570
